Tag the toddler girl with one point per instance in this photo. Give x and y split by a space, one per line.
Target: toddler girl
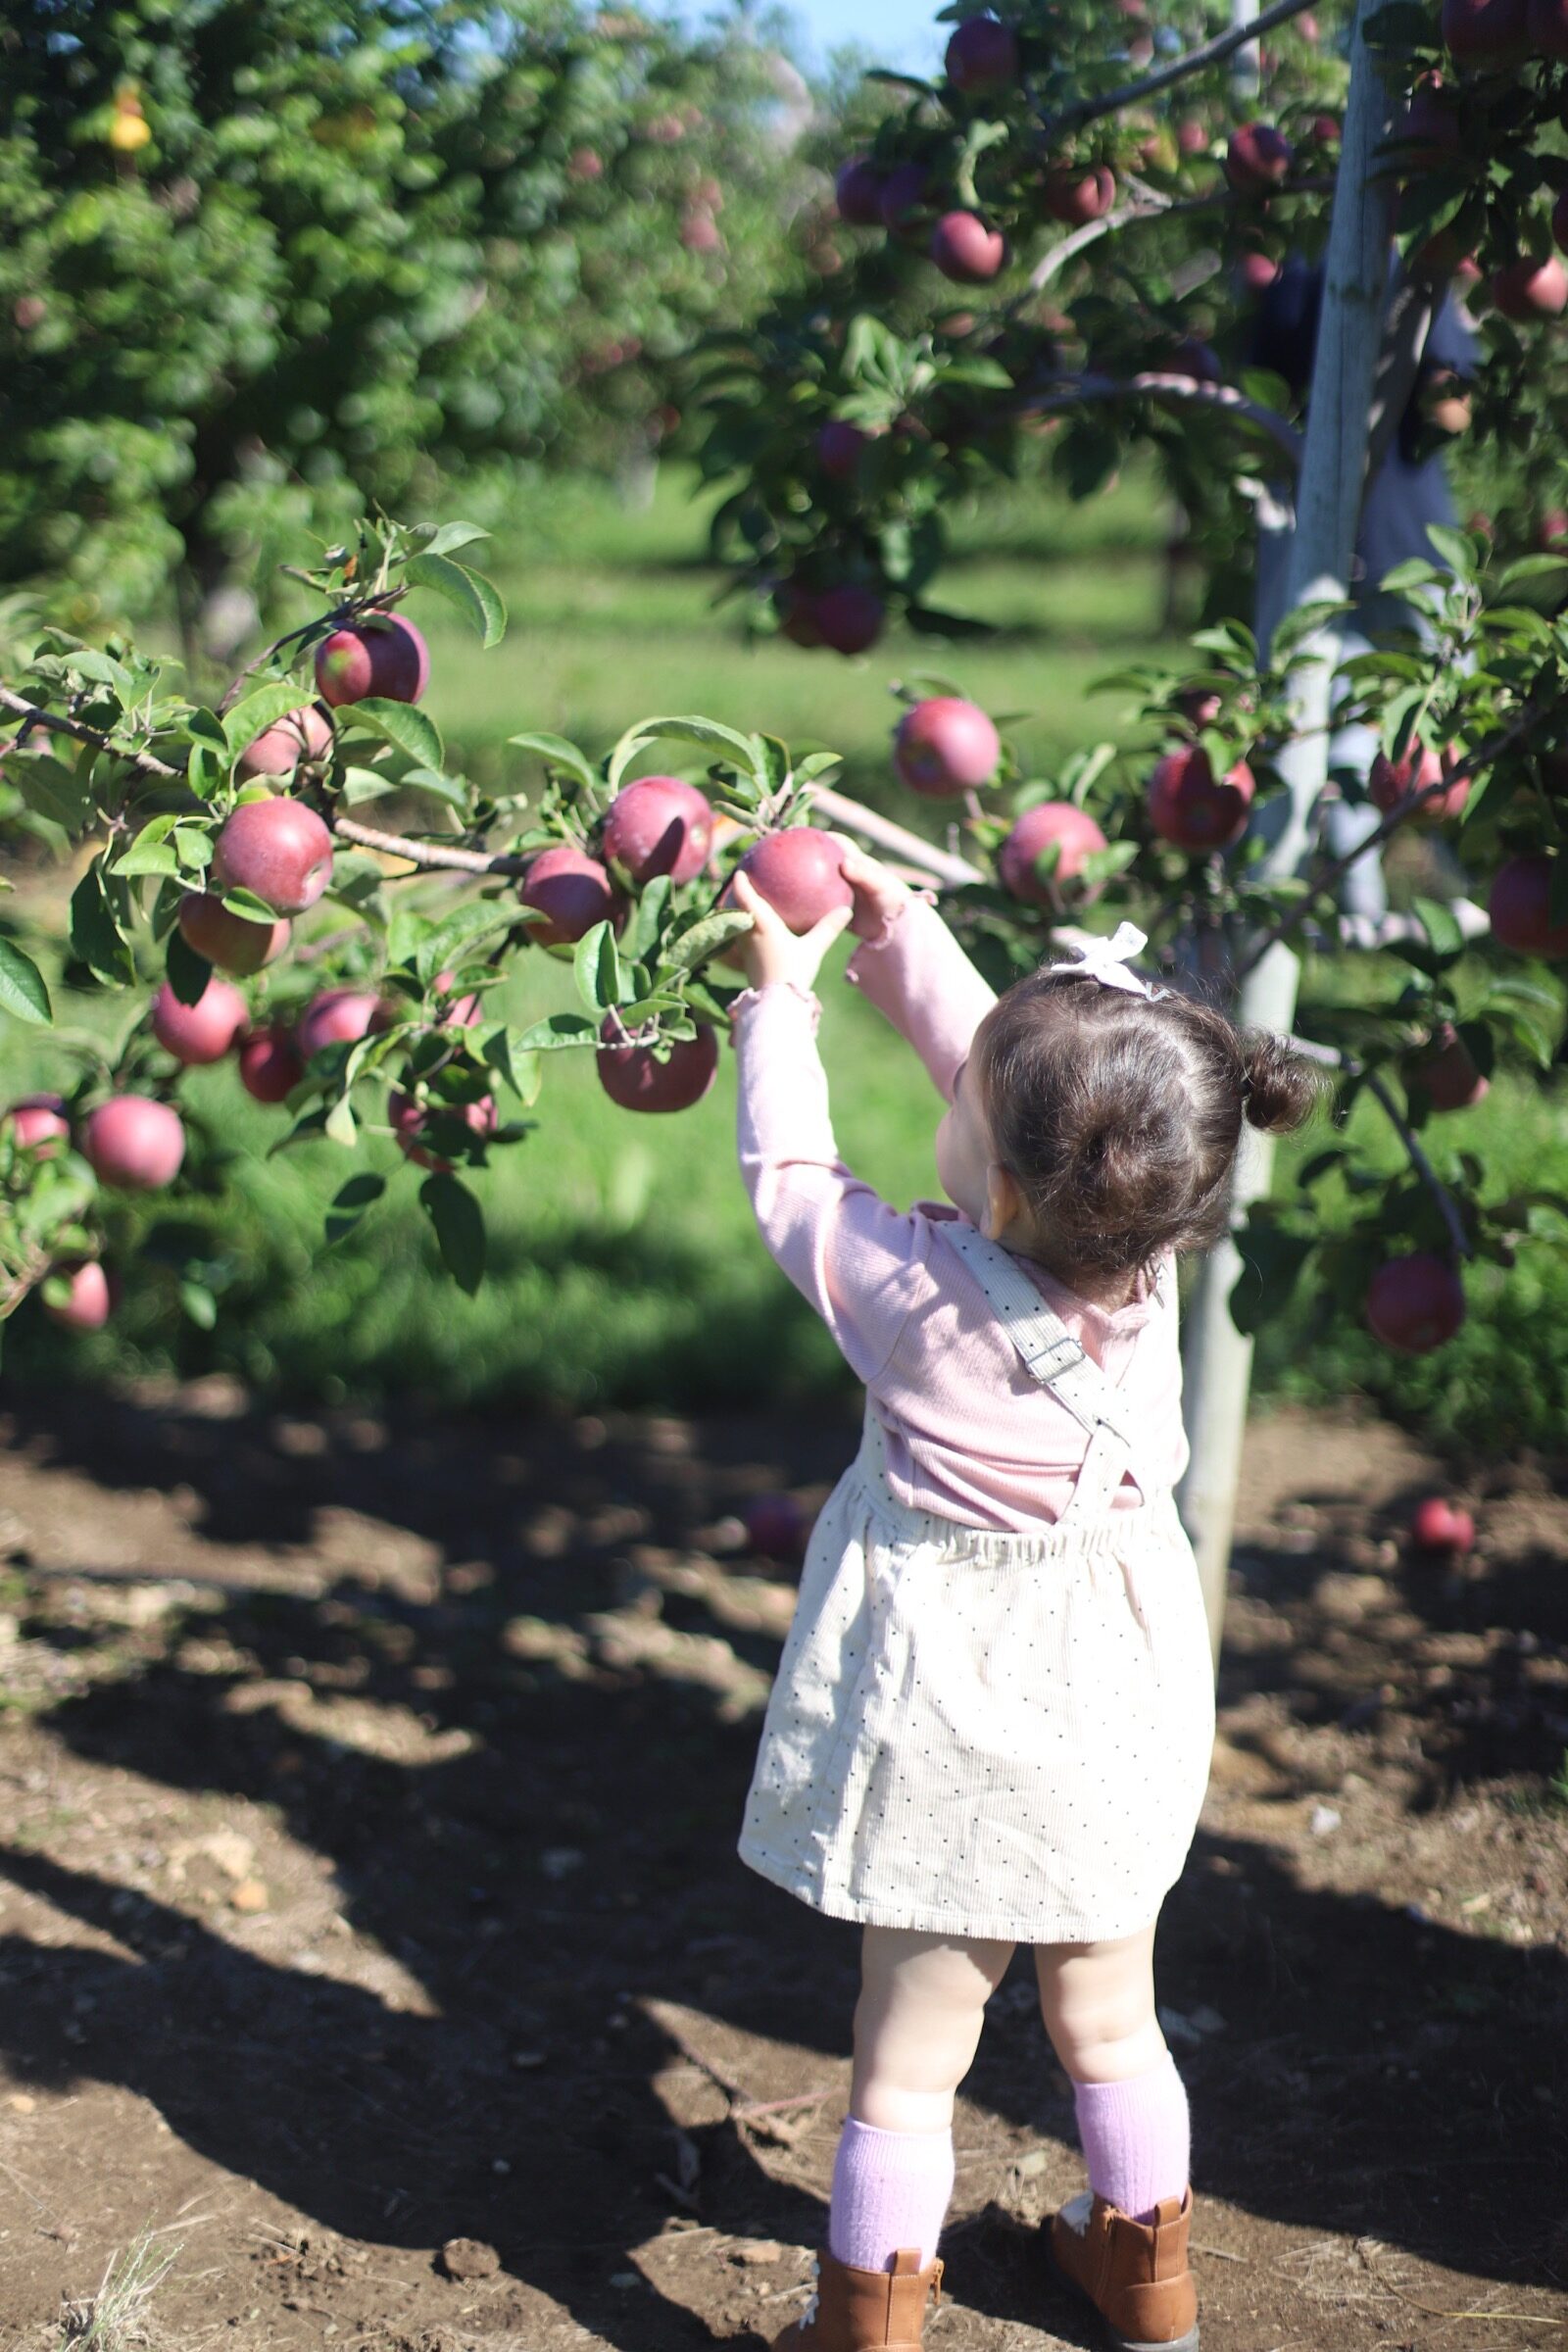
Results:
994 1713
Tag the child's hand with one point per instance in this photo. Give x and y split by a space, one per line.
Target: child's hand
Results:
878 891
771 950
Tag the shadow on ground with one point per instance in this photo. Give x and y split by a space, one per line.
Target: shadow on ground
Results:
551 1864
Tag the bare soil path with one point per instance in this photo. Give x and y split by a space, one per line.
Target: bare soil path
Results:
367 1884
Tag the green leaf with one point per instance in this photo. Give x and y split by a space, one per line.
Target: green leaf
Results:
648 918
21 985
95 934
1271 1266
341 1124
1438 923
397 723
1458 549
557 752
349 1204
1530 568
448 537
188 973
451 940
694 947
519 1069
199 1304
705 731
468 591
554 1030
459 1223
596 966
261 711
52 789
360 784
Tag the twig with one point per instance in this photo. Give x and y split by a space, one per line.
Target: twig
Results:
1081 390
1150 206
147 761
428 854
802 2098
1212 53
839 809
1329 1056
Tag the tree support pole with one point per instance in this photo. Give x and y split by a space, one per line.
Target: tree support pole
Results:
1219 1358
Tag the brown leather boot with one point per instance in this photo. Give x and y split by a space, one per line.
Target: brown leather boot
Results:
1134 2273
866 2311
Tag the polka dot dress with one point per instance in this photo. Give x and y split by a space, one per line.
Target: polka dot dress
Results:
985 1734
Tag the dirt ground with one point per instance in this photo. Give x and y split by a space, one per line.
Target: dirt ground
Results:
368 1884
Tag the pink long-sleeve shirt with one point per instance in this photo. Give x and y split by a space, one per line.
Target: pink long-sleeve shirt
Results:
971 1435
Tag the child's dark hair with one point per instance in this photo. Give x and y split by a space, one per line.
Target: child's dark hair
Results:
1119 1116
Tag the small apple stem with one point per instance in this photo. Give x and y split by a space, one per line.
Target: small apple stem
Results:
426 853
1210 53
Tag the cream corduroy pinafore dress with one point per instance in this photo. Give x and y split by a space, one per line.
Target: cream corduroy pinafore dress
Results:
984 1733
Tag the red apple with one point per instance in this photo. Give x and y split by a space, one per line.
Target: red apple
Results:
1257 159
945 746
631 1076
228 940
1485 33
133 1143
1415 1303
902 197
839 446
659 825
1547 26
1429 133
1520 906
38 1123
798 872
1327 131
337 1016
91 1303
848 619
1075 196
279 850
1200 705
1446 1073
1192 135
1528 289
410 1123
572 891
1391 782
982 57
270 1064
796 607
966 251
858 193
1438 1525
776 1526
1186 806
1258 272
386 658
699 232
1045 822
204 1031
302 734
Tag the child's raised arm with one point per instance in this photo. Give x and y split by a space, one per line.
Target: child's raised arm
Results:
859 1262
911 968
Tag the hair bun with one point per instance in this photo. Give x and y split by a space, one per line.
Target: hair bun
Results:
1279 1090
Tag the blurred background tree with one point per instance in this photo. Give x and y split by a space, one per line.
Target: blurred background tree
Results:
266 261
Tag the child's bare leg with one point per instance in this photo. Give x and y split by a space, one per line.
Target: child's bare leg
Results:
1098 2000
917 2024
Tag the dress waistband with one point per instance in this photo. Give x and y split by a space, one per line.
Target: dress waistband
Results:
1109 1533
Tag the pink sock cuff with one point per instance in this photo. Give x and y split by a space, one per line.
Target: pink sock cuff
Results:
1137 2139
891 2189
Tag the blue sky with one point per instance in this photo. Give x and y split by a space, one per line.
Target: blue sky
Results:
900 32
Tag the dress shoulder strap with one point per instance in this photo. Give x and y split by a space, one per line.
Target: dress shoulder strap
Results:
1047 1347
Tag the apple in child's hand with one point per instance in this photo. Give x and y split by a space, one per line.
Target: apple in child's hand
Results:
1438 1525
797 871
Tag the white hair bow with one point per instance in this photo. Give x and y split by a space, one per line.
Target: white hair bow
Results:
1107 961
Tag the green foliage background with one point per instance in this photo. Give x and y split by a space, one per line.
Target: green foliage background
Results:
626 1267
